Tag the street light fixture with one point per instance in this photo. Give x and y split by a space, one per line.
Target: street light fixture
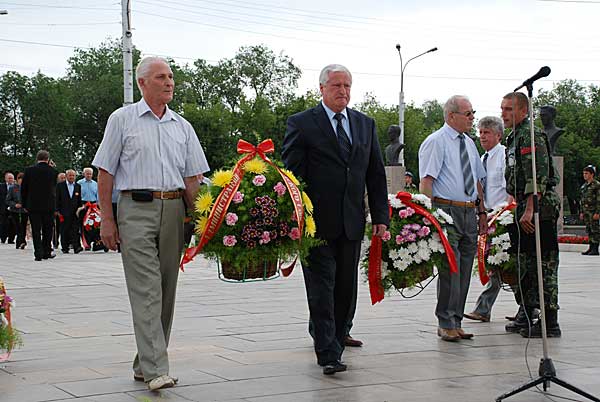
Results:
3 12
401 103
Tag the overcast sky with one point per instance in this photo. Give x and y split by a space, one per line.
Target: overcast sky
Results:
486 48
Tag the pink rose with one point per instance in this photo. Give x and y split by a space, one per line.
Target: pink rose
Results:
279 189
231 218
259 180
294 234
229 241
265 237
403 213
399 239
386 235
238 197
411 237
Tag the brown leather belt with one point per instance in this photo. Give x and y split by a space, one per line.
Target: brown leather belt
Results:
160 195
466 204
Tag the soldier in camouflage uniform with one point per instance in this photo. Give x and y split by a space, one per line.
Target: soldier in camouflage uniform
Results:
590 208
519 184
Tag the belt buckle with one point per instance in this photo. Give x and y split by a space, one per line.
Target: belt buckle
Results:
162 196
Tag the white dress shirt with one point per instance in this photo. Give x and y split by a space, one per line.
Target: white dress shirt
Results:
439 157
495 183
143 151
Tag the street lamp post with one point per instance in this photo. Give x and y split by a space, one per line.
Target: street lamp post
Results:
401 100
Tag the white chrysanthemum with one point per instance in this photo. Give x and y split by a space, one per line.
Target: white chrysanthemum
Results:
404 254
502 257
394 254
394 202
443 217
412 248
369 218
424 253
422 199
492 259
384 271
506 218
401 265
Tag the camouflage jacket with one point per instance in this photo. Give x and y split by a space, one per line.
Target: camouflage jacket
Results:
518 174
590 197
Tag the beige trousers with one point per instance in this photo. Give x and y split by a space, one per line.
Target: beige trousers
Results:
151 242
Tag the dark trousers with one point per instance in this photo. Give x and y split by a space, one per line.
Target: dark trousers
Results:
20 221
69 233
41 231
7 227
330 277
56 232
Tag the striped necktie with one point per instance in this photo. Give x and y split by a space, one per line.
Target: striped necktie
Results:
466 166
484 180
342 137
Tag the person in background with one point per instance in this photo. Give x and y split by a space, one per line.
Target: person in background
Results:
68 200
89 193
7 225
590 208
18 213
408 182
38 193
57 224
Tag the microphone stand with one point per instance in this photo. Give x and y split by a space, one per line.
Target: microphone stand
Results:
546 371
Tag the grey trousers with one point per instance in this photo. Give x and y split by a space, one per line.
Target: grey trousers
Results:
488 296
452 288
151 242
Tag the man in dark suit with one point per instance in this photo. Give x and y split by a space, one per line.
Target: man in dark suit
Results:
38 192
68 199
7 225
335 150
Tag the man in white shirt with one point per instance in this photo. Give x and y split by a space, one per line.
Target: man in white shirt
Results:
491 129
451 171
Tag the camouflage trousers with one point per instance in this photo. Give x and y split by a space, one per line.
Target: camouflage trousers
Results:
592 227
528 293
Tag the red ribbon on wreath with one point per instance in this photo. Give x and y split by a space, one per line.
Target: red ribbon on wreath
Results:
375 286
92 211
482 244
4 357
218 212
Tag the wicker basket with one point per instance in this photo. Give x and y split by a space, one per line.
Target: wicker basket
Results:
261 270
421 274
510 278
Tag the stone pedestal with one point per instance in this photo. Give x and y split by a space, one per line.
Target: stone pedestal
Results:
559 165
395 178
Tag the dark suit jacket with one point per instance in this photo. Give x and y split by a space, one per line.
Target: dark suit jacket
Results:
310 150
3 193
38 188
65 204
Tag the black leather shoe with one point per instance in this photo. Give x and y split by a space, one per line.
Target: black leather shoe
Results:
65 251
350 341
48 256
38 258
78 250
334 367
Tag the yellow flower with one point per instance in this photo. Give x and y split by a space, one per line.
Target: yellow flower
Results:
201 224
255 166
221 178
308 205
311 226
203 203
291 176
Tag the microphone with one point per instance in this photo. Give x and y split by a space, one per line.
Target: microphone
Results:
544 72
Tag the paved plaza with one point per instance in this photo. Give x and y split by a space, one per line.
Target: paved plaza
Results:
249 342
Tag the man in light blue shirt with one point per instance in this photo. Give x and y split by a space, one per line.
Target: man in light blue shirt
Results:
450 172
89 187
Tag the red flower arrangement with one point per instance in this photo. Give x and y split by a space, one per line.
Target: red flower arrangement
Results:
573 239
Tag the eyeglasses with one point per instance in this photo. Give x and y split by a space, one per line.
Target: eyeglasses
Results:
468 113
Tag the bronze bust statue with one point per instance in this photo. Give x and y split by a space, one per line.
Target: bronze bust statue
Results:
547 115
392 151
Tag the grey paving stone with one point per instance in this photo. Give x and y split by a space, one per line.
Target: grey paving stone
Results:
240 343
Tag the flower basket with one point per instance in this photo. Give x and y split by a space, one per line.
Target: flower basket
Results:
255 270
494 249
9 336
252 216
407 253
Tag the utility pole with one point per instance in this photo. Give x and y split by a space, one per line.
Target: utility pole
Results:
127 53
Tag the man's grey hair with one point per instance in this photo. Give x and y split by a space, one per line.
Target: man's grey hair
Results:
71 171
493 123
451 105
88 169
143 67
332 68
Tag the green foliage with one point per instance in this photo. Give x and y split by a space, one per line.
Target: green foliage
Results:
10 338
578 112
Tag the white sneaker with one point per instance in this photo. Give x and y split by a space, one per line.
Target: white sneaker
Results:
164 381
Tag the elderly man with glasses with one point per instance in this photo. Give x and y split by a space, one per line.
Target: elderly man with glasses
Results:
451 174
